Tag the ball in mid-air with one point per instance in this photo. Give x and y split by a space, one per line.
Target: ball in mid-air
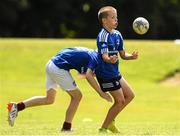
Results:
140 25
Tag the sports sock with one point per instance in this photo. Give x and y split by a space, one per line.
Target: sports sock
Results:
66 126
20 106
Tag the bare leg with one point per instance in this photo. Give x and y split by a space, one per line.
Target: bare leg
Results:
122 98
127 91
115 108
41 100
74 103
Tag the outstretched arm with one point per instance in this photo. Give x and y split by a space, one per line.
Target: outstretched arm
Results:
128 56
95 86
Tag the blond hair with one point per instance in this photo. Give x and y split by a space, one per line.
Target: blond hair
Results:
103 13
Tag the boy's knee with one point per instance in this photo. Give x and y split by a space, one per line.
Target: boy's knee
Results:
131 96
50 97
50 100
77 97
120 102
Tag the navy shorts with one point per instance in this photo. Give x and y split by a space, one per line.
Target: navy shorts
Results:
109 84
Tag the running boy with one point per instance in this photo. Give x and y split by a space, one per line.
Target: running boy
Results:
57 73
110 44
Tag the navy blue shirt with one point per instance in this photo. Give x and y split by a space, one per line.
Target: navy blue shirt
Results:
78 58
110 43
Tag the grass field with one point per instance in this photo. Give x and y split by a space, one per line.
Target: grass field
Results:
154 111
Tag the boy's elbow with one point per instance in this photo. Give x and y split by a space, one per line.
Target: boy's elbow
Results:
122 56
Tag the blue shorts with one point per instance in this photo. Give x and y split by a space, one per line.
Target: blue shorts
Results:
109 84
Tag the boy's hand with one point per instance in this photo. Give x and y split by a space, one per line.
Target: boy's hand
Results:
109 59
81 76
106 96
113 59
134 55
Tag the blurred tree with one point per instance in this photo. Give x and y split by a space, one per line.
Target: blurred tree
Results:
8 16
78 19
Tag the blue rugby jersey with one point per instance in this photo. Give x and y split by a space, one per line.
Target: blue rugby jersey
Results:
78 58
110 43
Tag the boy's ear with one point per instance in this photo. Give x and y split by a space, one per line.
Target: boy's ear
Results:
103 20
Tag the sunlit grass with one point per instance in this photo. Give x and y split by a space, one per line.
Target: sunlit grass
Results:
154 111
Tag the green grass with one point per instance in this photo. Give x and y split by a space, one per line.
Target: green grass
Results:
154 111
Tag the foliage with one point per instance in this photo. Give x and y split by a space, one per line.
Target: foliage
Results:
78 19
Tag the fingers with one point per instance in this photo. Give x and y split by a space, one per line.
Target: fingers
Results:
107 97
81 76
113 58
135 52
135 55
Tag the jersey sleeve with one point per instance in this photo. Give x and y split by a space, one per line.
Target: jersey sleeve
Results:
93 62
121 42
103 48
102 42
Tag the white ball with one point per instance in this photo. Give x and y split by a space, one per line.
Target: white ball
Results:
140 25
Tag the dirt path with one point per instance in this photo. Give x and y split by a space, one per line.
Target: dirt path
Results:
175 80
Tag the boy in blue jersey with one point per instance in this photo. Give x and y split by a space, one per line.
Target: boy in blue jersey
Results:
58 73
110 44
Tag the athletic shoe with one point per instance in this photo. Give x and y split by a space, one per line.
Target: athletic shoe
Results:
12 113
112 127
103 130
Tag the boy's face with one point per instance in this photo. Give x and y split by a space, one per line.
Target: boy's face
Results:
111 22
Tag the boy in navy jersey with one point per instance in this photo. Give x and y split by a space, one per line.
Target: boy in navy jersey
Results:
57 73
110 44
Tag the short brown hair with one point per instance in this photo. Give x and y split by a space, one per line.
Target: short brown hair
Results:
103 13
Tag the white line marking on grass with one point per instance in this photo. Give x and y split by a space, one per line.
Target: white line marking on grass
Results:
87 120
